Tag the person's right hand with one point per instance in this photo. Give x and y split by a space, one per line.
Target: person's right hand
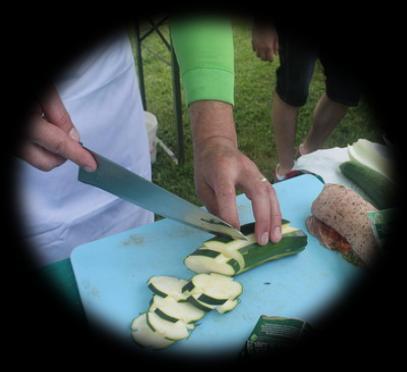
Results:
51 138
265 42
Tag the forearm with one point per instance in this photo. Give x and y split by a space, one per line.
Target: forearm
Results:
212 122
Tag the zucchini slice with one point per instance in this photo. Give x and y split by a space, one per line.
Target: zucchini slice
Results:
144 336
193 299
173 331
167 286
170 309
229 305
215 289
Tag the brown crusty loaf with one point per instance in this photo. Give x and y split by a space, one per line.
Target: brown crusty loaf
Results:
346 212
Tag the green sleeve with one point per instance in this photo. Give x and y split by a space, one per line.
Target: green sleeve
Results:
205 54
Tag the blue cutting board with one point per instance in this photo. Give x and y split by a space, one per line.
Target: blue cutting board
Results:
111 275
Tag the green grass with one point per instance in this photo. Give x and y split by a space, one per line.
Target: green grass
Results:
255 82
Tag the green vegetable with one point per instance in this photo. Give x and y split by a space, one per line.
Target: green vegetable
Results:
237 256
378 188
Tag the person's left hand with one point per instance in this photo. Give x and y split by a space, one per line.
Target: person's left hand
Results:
265 43
220 168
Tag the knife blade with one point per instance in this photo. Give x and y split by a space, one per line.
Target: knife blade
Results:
117 180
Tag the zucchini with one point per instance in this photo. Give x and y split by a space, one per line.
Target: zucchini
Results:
247 254
173 331
167 286
372 155
378 188
144 336
170 309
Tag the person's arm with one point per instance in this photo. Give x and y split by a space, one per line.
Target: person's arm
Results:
205 54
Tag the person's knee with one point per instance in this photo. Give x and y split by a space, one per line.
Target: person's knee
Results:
293 93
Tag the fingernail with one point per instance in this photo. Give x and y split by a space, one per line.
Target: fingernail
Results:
277 232
264 238
74 134
88 169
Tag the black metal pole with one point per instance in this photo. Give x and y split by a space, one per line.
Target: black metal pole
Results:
140 66
176 88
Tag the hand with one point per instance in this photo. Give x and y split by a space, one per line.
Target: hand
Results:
265 43
51 138
220 168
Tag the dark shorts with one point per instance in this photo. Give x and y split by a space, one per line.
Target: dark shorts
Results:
297 61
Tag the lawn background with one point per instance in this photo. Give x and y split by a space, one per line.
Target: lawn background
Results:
254 85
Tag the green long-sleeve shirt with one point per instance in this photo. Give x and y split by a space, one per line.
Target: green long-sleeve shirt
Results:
204 50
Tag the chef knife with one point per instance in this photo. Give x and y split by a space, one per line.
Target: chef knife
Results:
131 187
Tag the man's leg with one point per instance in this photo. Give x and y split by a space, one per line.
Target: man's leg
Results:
284 121
326 117
297 60
342 91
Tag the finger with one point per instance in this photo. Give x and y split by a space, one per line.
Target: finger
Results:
275 216
56 141
261 209
39 157
276 46
207 197
270 55
263 55
226 203
257 191
56 113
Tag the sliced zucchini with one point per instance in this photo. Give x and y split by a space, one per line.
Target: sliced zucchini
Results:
171 330
226 250
170 309
215 287
201 263
167 286
144 336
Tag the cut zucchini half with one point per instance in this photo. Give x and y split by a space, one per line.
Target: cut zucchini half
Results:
167 286
170 309
174 331
144 336
245 254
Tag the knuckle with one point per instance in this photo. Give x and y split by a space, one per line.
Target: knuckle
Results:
63 118
60 146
